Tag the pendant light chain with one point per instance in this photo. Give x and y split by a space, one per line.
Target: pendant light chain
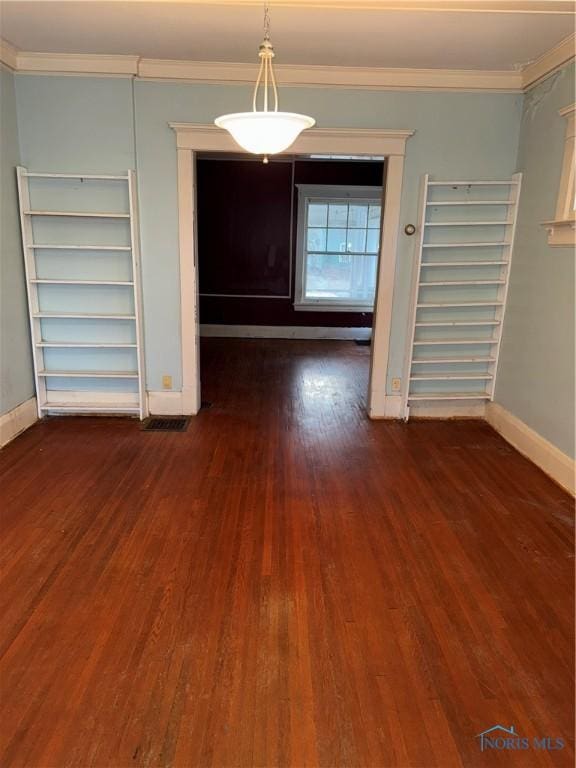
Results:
265 131
266 71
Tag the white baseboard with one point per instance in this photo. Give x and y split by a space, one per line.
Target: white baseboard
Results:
439 410
170 404
282 332
17 420
550 459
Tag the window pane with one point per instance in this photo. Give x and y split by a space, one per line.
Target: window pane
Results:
341 277
338 216
373 241
316 239
337 240
356 240
374 216
317 214
357 215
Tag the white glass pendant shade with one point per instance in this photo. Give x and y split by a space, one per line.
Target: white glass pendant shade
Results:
265 133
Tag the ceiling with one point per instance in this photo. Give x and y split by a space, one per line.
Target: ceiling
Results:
302 33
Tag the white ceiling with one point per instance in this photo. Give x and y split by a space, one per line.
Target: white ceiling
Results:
301 35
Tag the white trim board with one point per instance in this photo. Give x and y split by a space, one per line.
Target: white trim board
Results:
17 420
281 332
540 451
358 78
192 138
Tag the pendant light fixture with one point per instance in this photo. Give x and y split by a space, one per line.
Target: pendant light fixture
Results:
265 132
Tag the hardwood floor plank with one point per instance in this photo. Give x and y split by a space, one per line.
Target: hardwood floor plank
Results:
285 584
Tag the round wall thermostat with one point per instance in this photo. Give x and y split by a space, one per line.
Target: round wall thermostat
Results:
409 229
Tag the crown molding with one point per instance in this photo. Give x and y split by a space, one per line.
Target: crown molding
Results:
356 78
8 55
564 7
78 64
553 59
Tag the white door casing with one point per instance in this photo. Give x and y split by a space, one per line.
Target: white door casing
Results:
192 138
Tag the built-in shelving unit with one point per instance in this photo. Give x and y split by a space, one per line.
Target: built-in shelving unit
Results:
81 253
459 289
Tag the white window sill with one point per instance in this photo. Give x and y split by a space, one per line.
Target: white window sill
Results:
562 232
327 307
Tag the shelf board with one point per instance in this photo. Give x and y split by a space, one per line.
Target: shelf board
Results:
78 407
84 176
464 245
462 282
467 223
452 396
463 263
442 342
502 183
85 345
449 304
451 376
46 246
80 316
90 374
443 360
80 214
455 323
432 204
42 281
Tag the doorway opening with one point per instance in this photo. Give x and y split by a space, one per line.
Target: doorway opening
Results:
288 259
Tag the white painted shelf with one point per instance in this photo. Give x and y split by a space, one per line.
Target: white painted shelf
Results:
454 323
47 246
476 183
85 345
79 214
451 305
466 223
461 282
70 359
491 244
445 360
432 204
450 376
81 177
427 264
442 342
44 281
451 396
486 315
90 374
89 407
80 316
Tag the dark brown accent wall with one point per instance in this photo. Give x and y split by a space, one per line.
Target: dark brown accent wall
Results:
245 213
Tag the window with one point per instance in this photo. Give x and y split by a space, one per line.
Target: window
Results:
562 230
338 246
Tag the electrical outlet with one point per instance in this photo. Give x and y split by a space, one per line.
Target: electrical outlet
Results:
167 382
396 385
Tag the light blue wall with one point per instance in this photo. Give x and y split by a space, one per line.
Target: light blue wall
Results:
16 374
458 135
536 372
90 126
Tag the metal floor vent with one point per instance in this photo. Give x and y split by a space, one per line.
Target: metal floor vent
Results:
166 424
363 342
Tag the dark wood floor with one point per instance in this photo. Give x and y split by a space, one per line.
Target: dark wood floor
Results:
285 584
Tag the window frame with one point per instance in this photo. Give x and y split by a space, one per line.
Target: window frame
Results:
562 229
332 193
